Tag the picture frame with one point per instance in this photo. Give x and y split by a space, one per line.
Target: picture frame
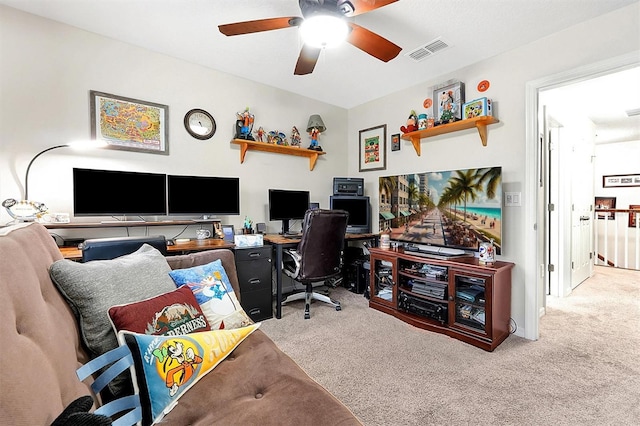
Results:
373 148
621 181
632 216
395 142
449 97
605 203
129 124
228 233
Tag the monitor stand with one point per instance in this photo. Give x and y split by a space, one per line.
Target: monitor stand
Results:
285 227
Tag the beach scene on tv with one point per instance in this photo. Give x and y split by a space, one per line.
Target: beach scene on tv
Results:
458 208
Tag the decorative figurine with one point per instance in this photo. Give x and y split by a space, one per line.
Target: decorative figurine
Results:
244 125
314 128
260 134
448 107
277 137
412 123
295 137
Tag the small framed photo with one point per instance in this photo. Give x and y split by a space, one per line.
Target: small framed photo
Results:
612 181
606 203
129 124
228 233
476 108
447 102
373 148
632 215
395 142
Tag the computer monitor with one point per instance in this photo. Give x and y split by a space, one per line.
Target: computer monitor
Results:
286 205
114 193
203 195
358 209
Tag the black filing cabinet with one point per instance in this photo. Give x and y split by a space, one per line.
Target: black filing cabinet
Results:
254 274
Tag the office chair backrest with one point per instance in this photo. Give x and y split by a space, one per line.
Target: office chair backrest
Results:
322 243
110 248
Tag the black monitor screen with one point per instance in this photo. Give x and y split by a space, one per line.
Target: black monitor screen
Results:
358 209
287 204
111 192
203 195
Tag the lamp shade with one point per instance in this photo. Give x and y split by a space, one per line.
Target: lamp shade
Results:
315 121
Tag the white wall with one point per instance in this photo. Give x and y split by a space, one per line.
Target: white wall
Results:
47 72
608 36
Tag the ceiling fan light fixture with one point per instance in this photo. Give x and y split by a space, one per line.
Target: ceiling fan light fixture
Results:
324 31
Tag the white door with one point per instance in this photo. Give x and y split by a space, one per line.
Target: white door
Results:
582 194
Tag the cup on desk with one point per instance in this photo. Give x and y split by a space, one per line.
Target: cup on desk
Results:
203 234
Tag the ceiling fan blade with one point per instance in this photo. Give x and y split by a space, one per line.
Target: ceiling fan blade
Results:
307 60
364 6
372 43
259 25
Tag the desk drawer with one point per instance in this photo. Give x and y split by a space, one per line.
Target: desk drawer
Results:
253 253
258 304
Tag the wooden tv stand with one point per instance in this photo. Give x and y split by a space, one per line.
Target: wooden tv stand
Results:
458 297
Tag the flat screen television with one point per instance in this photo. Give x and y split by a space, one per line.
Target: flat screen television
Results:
286 205
114 193
457 208
359 212
203 195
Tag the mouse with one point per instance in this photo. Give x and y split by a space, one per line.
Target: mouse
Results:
81 246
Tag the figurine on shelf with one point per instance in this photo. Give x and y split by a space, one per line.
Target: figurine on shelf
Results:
247 227
295 137
244 125
315 126
260 134
448 107
412 123
277 137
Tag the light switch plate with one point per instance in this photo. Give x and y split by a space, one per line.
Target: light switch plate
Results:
513 199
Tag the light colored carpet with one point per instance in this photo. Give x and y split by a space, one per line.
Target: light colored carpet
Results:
584 369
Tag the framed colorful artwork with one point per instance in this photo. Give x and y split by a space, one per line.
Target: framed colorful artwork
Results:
447 102
129 124
395 142
373 148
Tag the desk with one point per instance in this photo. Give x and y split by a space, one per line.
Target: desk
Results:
74 253
280 242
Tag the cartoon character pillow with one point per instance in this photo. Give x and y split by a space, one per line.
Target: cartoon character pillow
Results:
213 291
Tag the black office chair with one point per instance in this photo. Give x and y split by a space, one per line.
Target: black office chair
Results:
318 256
110 248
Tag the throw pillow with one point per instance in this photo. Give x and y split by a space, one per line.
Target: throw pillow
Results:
213 291
176 312
92 288
165 367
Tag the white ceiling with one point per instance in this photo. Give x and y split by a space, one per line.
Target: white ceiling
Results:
344 76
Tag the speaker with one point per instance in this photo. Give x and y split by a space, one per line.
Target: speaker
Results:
261 228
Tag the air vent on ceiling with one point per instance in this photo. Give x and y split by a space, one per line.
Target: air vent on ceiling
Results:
427 50
633 112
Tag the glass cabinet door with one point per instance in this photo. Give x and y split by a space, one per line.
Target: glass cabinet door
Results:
383 281
470 299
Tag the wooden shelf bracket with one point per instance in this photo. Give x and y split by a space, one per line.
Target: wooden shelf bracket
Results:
246 145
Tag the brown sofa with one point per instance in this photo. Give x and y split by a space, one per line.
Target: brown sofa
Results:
40 350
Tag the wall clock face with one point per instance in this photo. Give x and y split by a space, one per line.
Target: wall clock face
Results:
200 124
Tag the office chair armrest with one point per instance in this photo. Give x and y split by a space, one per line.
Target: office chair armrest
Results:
291 263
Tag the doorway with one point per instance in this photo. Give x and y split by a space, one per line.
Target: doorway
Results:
573 200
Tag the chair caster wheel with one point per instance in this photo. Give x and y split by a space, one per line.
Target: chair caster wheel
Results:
306 315
338 308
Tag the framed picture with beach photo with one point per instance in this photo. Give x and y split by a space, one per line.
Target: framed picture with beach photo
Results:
456 208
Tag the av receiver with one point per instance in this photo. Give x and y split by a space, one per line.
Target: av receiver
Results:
424 308
348 186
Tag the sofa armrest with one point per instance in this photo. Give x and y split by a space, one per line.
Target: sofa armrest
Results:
203 257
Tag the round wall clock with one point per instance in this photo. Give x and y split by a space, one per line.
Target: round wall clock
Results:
200 124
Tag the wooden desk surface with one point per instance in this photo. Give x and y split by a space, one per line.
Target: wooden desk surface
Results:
281 239
74 253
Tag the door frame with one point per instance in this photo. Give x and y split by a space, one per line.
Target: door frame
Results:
534 267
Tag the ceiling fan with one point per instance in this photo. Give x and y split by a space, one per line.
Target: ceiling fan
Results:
324 12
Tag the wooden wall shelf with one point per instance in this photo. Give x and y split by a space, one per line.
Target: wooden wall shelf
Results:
246 145
480 123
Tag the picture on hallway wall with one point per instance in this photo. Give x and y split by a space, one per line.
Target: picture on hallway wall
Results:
633 215
605 203
373 148
457 208
129 124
